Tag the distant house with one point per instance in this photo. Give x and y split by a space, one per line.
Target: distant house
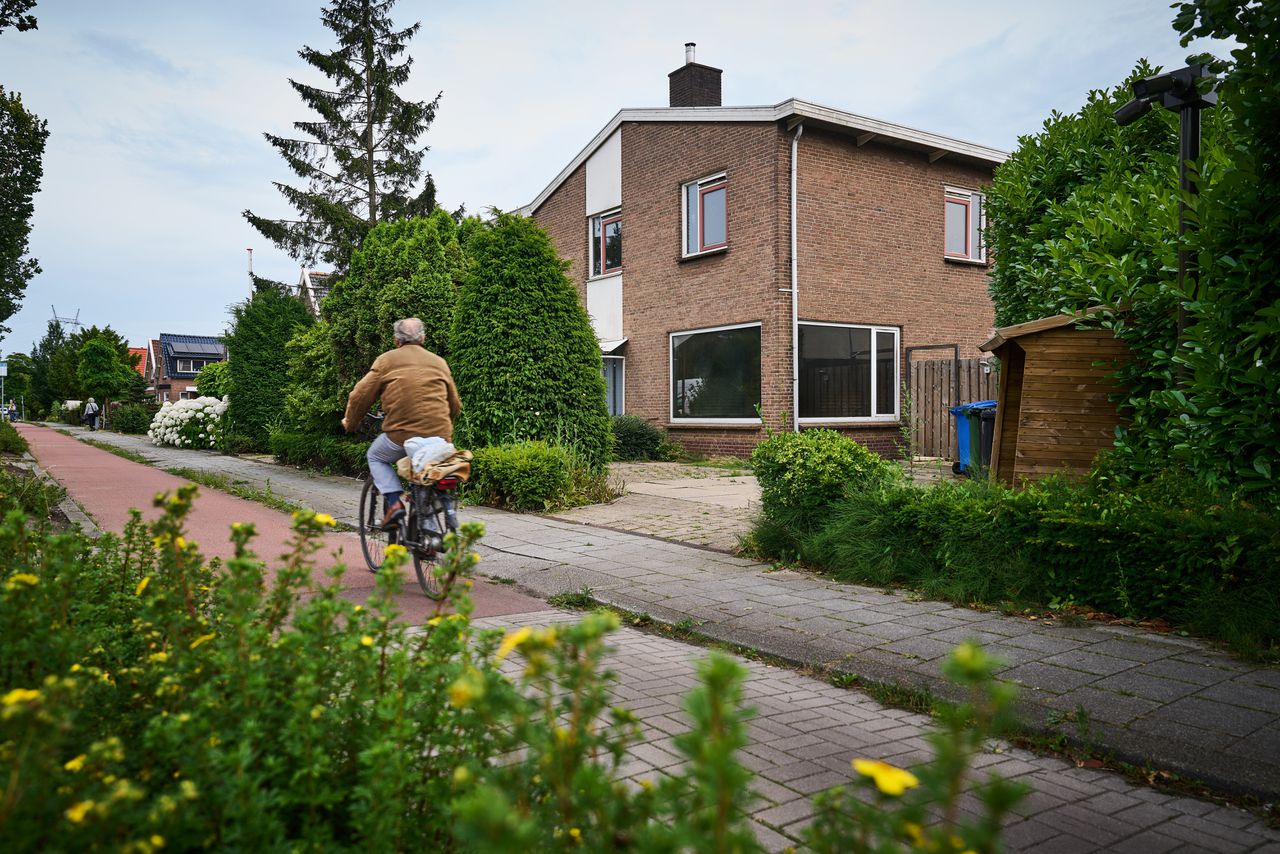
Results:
314 286
785 257
178 359
141 364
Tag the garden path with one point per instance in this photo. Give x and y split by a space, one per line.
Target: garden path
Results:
1173 701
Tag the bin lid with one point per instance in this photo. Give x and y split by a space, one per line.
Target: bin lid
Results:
966 408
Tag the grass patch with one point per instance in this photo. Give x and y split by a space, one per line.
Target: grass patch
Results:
125 453
576 599
11 441
26 491
238 488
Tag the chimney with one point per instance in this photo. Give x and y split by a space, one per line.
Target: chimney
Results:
693 84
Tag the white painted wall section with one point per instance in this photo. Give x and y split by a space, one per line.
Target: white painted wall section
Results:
604 176
604 304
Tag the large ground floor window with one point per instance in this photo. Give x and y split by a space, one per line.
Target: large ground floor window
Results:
715 374
848 372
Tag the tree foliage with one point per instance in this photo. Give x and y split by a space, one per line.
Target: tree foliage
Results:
214 380
403 269
314 396
22 139
42 381
523 352
359 158
1086 213
256 357
102 371
17 14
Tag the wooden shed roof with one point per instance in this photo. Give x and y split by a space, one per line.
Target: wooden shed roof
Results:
1008 333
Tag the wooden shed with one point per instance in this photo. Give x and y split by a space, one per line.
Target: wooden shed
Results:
1055 411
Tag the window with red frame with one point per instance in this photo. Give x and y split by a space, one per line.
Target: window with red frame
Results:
606 243
706 217
963 222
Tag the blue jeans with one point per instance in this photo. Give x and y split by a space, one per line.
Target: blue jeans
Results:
382 457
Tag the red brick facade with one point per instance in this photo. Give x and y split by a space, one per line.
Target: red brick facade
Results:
870 251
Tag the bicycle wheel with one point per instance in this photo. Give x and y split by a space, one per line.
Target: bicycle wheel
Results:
373 540
428 508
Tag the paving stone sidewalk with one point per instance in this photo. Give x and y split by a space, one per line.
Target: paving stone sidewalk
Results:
1174 702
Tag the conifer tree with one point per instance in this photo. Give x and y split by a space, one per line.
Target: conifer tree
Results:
360 159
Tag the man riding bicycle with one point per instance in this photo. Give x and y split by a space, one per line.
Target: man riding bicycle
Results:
419 399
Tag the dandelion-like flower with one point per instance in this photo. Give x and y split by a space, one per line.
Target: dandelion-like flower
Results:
888 779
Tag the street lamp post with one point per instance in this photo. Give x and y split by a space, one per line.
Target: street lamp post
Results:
1177 90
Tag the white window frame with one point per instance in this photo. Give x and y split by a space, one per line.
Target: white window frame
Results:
685 251
897 377
593 245
622 381
972 254
671 375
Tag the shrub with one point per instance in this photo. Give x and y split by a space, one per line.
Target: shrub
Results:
637 439
197 423
132 418
1165 551
800 474
523 351
257 366
70 414
329 454
314 397
214 380
521 476
28 494
11 441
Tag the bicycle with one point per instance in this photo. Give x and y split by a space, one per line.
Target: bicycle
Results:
430 515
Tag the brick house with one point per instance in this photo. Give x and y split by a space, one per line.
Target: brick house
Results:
175 362
698 318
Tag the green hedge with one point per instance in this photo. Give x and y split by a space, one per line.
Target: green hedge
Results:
521 476
329 454
635 439
133 418
1211 567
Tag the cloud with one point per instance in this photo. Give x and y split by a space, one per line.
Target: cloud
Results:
129 55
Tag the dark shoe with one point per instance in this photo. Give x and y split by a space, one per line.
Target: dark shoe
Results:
393 515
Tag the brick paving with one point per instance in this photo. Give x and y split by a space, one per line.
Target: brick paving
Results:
1176 702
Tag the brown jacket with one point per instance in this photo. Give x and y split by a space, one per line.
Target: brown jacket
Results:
417 391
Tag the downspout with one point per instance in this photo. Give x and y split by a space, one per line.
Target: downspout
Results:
795 291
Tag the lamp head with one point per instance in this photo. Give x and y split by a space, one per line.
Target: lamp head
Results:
1133 110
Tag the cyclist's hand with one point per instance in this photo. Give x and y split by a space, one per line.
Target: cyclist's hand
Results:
346 425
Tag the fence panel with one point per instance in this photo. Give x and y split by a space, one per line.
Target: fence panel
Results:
933 393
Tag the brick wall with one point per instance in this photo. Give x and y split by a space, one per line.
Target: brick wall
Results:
870 251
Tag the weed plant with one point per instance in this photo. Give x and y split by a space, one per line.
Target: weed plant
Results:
11 441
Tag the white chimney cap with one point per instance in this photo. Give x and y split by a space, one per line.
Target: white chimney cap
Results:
689 52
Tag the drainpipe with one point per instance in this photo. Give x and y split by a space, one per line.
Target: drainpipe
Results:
795 291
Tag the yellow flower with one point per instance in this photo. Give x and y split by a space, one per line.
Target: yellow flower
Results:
396 551
22 579
316 712
466 689
76 668
180 543
366 641
461 775
511 641
888 779
157 840
916 832
576 834
158 657
188 790
202 639
75 764
20 695
77 812
434 621
142 585
326 519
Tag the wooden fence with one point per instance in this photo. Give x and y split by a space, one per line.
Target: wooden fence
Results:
933 393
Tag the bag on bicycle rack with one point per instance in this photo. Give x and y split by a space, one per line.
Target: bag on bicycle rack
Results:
457 466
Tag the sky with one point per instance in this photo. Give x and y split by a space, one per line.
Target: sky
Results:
156 110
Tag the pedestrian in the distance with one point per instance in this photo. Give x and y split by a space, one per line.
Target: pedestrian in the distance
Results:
91 414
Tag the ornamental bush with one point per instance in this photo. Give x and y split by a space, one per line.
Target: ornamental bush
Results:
635 439
132 418
801 474
523 351
197 423
521 476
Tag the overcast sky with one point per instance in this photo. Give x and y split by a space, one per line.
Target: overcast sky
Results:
156 110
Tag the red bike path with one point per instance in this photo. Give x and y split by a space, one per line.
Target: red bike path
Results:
107 486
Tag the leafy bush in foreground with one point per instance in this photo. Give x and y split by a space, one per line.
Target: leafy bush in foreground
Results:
149 699
521 476
11 441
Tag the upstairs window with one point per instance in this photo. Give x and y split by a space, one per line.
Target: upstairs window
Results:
706 214
964 219
606 243
191 366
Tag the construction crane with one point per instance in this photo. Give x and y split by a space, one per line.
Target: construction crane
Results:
72 323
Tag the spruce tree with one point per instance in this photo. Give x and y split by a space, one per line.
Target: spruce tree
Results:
359 159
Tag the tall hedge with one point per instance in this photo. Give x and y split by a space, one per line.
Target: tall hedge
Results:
256 357
523 352
407 268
